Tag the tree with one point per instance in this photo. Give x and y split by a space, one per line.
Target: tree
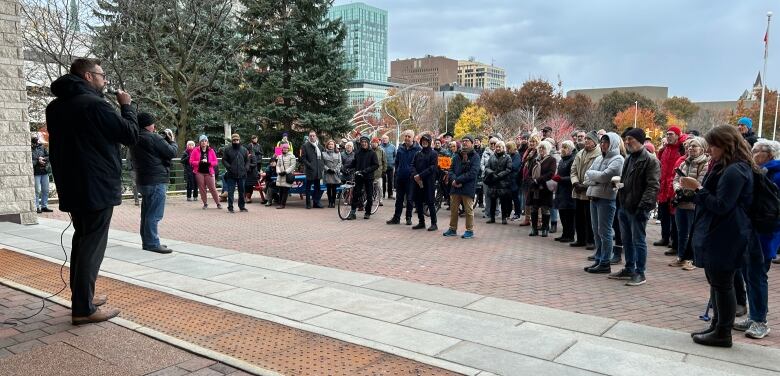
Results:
561 125
680 107
539 95
413 107
472 121
168 53
498 102
618 101
455 107
752 111
645 119
296 76
578 108
704 120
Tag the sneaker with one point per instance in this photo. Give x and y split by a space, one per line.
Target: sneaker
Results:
205 206
230 210
688 265
433 227
661 243
677 263
776 260
600 269
671 252
450 232
46 210
243 210
38 211
758 330
467 235
623 274
393 221
592 257
637 279
743 325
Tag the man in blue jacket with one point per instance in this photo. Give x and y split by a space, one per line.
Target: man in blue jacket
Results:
463 177
425 169
403 178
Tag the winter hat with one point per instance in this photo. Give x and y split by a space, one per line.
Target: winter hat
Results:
365 138
746 122
468 137
675 129
594 136
637 134
375 139
145 119
650 147
203 138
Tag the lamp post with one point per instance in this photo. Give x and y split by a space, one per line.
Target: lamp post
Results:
636 111
763 79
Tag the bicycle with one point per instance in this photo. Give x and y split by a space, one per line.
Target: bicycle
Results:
344 200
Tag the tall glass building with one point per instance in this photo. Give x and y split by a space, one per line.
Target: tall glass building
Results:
366 50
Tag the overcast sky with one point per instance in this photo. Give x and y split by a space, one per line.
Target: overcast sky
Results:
705 50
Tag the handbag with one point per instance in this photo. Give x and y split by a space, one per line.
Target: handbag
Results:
288 178
552 185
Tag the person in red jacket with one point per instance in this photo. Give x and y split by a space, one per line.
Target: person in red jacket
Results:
668 157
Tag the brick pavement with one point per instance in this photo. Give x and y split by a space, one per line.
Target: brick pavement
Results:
502 261
48 341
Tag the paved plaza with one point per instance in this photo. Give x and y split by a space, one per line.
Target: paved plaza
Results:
502 303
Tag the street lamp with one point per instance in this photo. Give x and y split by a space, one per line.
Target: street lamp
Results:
636 111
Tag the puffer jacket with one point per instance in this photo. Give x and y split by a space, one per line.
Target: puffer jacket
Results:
770 242
693 168
582 162
668 158
610 164
563 197
464 170
404 156
500 168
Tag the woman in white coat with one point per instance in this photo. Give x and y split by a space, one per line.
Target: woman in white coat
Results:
285 166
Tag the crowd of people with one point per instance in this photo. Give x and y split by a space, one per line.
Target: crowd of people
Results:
716 196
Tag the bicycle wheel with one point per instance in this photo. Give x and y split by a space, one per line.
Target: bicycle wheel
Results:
343 203
375 202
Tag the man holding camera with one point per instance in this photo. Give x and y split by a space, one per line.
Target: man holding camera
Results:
640 184
84 136
40 160
153 154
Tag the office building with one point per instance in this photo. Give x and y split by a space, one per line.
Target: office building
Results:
480 75
431 71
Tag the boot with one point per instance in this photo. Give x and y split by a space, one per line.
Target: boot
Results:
719 337
545 225
706 330
553 227
420 225
393 221
351 215
308 203
534 225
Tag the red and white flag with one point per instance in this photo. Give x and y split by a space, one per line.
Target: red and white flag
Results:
766 41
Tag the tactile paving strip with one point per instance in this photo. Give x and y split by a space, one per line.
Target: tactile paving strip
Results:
272 346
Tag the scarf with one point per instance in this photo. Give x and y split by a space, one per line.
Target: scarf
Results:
317 149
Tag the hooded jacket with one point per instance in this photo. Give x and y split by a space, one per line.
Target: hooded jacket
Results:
236 161
464 170
610 164
365 162
152 158
426 164
84 136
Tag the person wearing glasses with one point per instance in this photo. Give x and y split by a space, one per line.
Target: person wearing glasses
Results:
85 132
694 166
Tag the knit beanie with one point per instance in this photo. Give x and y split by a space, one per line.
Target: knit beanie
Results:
145 119
675 129
593 135
746 122
637 134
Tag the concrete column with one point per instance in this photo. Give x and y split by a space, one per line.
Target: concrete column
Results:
17 187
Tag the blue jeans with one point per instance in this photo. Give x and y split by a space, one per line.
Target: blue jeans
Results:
231 184
632 229
41 191
684 220
152 209
554 215
517 201
602 213
757 288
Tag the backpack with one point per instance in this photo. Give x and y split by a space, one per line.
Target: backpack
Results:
764 211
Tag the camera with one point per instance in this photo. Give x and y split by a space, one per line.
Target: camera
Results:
682 196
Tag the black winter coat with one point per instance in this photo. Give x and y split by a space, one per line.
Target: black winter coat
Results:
498 172
84 136
563 199
641 182
365 162
426 164
722 233
185 161
38 151
236 161
313 167
152 158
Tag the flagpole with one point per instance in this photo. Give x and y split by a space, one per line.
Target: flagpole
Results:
763 79
777 103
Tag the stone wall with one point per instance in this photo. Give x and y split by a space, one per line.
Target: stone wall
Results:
17 189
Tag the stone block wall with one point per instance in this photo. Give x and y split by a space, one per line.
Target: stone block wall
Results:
17 187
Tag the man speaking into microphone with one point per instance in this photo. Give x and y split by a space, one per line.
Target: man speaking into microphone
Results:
84 136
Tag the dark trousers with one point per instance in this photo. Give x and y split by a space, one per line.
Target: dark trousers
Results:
724 302
387 182
424 195
582 222
363 184
740 293
480 196
667 221
506 206
192 185
232 184
567 222
518 205
313 191
284 192
403 195
331 190
89 245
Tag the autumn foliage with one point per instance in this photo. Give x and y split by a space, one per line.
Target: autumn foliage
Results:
472 121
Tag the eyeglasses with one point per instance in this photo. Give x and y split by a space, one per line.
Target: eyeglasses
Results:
105 76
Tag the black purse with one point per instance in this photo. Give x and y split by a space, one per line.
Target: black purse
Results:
289 178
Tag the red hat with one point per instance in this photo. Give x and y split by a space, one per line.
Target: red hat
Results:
675 129
375 139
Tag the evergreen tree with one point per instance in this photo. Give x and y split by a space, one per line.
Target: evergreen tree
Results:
296 77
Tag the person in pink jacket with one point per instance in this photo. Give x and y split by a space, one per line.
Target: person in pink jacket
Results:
203 160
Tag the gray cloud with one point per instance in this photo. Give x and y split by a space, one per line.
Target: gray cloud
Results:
705 50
